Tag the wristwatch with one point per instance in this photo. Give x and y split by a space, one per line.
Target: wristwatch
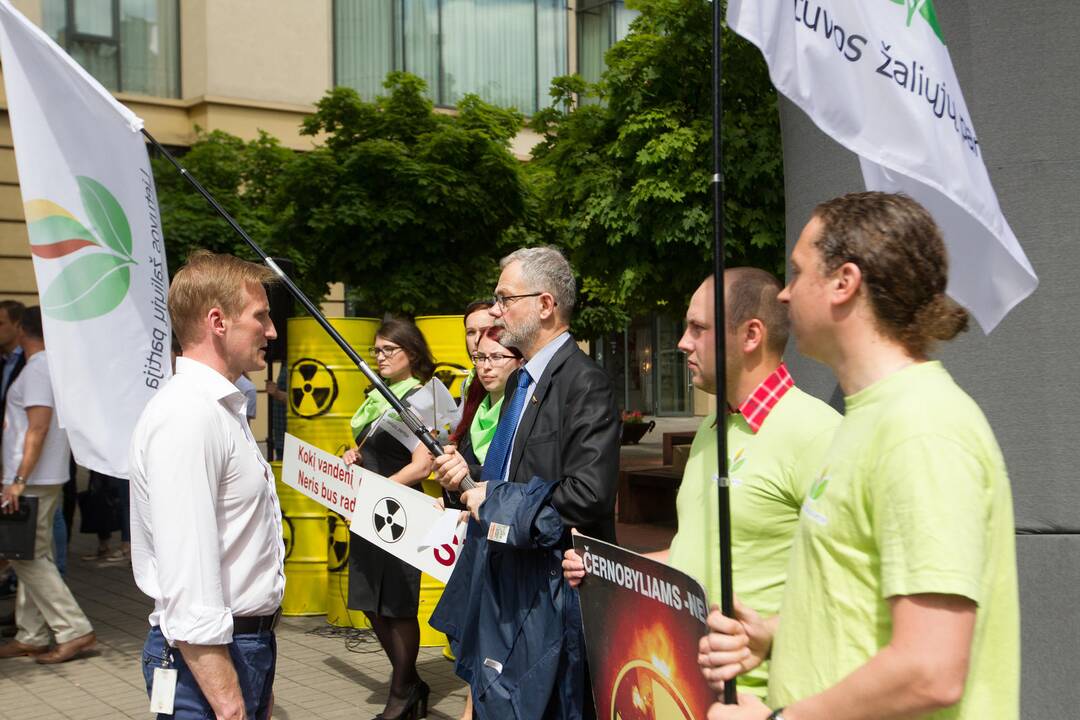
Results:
18 480
776 714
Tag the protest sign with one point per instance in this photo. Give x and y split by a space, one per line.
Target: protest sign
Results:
407 524
396 518
323 477
643 621
435 407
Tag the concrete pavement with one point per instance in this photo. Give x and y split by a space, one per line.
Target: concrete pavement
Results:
318 676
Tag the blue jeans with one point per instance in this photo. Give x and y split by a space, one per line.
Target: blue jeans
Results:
255 658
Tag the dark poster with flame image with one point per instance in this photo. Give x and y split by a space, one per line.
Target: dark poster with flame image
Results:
643 620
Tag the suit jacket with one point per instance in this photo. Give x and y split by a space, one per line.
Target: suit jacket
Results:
513 622
569 435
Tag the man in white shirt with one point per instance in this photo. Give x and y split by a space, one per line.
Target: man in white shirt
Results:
35 461
205 521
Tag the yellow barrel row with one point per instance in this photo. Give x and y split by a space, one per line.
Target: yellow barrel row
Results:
325 388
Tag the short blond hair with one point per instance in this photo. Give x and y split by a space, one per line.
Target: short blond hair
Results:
206 281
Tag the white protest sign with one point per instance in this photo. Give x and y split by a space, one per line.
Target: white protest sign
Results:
323 477
404 522
407 524
435 407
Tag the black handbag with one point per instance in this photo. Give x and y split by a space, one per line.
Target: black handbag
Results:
98 509
18 530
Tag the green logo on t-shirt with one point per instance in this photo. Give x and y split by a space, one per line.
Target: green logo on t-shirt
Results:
818 488
737 462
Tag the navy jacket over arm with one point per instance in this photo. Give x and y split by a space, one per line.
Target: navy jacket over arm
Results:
514 624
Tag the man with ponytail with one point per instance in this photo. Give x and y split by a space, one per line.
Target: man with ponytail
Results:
901 599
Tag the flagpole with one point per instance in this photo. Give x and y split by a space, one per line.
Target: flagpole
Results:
727 595
407 415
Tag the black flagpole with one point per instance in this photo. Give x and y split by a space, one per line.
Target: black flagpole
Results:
727 595
407 415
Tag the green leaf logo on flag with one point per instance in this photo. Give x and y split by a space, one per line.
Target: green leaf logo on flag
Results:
926 9
96 281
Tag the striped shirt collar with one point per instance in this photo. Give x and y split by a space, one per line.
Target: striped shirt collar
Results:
760 403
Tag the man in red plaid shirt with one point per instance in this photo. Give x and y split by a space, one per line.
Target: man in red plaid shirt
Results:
776 437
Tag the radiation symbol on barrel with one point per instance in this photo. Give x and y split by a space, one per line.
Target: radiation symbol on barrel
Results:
338 555
313 388
645 691
389 520
448 372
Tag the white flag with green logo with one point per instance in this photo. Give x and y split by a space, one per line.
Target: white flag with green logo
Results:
95 235
877 77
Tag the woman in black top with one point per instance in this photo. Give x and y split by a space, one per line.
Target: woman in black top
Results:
384 588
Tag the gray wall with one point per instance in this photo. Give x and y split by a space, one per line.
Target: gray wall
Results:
1019 66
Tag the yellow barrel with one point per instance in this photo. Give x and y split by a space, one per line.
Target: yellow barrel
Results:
325 387
337 577
303 523
445 335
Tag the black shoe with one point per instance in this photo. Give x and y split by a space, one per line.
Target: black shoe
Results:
415 707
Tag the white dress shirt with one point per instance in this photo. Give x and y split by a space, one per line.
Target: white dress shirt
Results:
205 520
536 369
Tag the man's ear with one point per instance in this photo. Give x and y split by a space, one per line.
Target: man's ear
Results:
845 283
753 335
215 321
547 305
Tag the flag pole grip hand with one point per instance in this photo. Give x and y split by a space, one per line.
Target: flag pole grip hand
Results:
404 411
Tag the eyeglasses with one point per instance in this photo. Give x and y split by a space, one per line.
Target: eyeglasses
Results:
387 351
505 301
494 360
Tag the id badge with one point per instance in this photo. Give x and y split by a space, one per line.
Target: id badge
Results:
163 691
498 533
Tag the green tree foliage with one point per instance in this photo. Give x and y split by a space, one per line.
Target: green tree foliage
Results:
625 176
245 178
410 207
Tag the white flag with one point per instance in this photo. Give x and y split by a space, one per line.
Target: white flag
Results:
95 234
876 76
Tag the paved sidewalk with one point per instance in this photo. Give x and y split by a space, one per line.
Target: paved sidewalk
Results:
317 677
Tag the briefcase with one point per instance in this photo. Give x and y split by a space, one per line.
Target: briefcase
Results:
18 530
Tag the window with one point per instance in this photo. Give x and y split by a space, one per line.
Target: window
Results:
600 24
505 51
128 45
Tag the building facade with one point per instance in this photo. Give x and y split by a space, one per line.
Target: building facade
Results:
247 65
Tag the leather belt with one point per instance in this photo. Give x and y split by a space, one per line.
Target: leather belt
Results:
253 625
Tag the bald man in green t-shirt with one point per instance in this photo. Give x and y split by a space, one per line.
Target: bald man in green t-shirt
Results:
901 598
776 437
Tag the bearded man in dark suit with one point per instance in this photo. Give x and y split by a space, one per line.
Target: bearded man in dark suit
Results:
514 623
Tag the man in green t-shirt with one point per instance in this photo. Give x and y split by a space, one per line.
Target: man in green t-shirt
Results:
901 599
776 436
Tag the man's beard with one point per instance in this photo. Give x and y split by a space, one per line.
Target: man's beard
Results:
522 337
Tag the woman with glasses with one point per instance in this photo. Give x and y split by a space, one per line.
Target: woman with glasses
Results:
385 589
494 365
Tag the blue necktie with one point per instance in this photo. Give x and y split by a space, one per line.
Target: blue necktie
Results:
498 453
